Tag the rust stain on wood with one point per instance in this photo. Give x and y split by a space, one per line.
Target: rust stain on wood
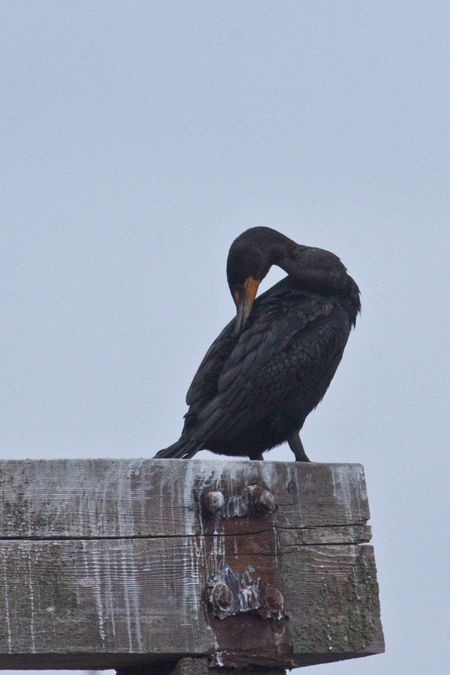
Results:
229 593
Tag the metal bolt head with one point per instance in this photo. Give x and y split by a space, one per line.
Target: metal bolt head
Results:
213 501
221 596
261 499
273 598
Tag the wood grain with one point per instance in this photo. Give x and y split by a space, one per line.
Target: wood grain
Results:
153 498
119 564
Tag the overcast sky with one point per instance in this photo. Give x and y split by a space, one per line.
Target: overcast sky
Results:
137 140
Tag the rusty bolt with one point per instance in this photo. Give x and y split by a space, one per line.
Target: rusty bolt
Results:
221 596
273 599
213 501
261 499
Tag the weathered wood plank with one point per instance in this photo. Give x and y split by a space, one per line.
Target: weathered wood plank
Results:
101 596
196 666
108 564
153 498
294 537
78 600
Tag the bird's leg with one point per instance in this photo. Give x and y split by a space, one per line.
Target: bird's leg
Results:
296 446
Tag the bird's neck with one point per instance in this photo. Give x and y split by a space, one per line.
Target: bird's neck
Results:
322 276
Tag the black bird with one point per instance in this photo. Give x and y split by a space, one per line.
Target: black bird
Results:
272 364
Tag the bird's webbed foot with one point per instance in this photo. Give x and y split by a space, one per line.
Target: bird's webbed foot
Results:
296 446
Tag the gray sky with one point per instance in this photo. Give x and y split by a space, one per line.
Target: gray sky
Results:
137 140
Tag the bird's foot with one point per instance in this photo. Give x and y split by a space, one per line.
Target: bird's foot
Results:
296 446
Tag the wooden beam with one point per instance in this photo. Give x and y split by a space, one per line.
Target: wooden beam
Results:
119 564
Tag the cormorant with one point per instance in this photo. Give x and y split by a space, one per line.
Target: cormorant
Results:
272 364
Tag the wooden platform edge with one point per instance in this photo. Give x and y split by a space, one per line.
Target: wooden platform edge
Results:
145 563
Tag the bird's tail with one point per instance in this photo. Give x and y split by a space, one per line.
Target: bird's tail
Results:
182 449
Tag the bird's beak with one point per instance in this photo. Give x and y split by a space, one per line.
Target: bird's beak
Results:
244 302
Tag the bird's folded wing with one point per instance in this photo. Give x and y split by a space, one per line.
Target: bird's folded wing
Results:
283 352
204 384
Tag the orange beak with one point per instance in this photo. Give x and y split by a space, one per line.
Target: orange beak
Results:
244 302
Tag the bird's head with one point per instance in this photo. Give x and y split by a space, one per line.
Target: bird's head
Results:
250 258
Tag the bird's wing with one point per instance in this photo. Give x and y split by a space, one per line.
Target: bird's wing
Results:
204 386
289 346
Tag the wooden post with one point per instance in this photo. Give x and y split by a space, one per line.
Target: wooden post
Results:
185 566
